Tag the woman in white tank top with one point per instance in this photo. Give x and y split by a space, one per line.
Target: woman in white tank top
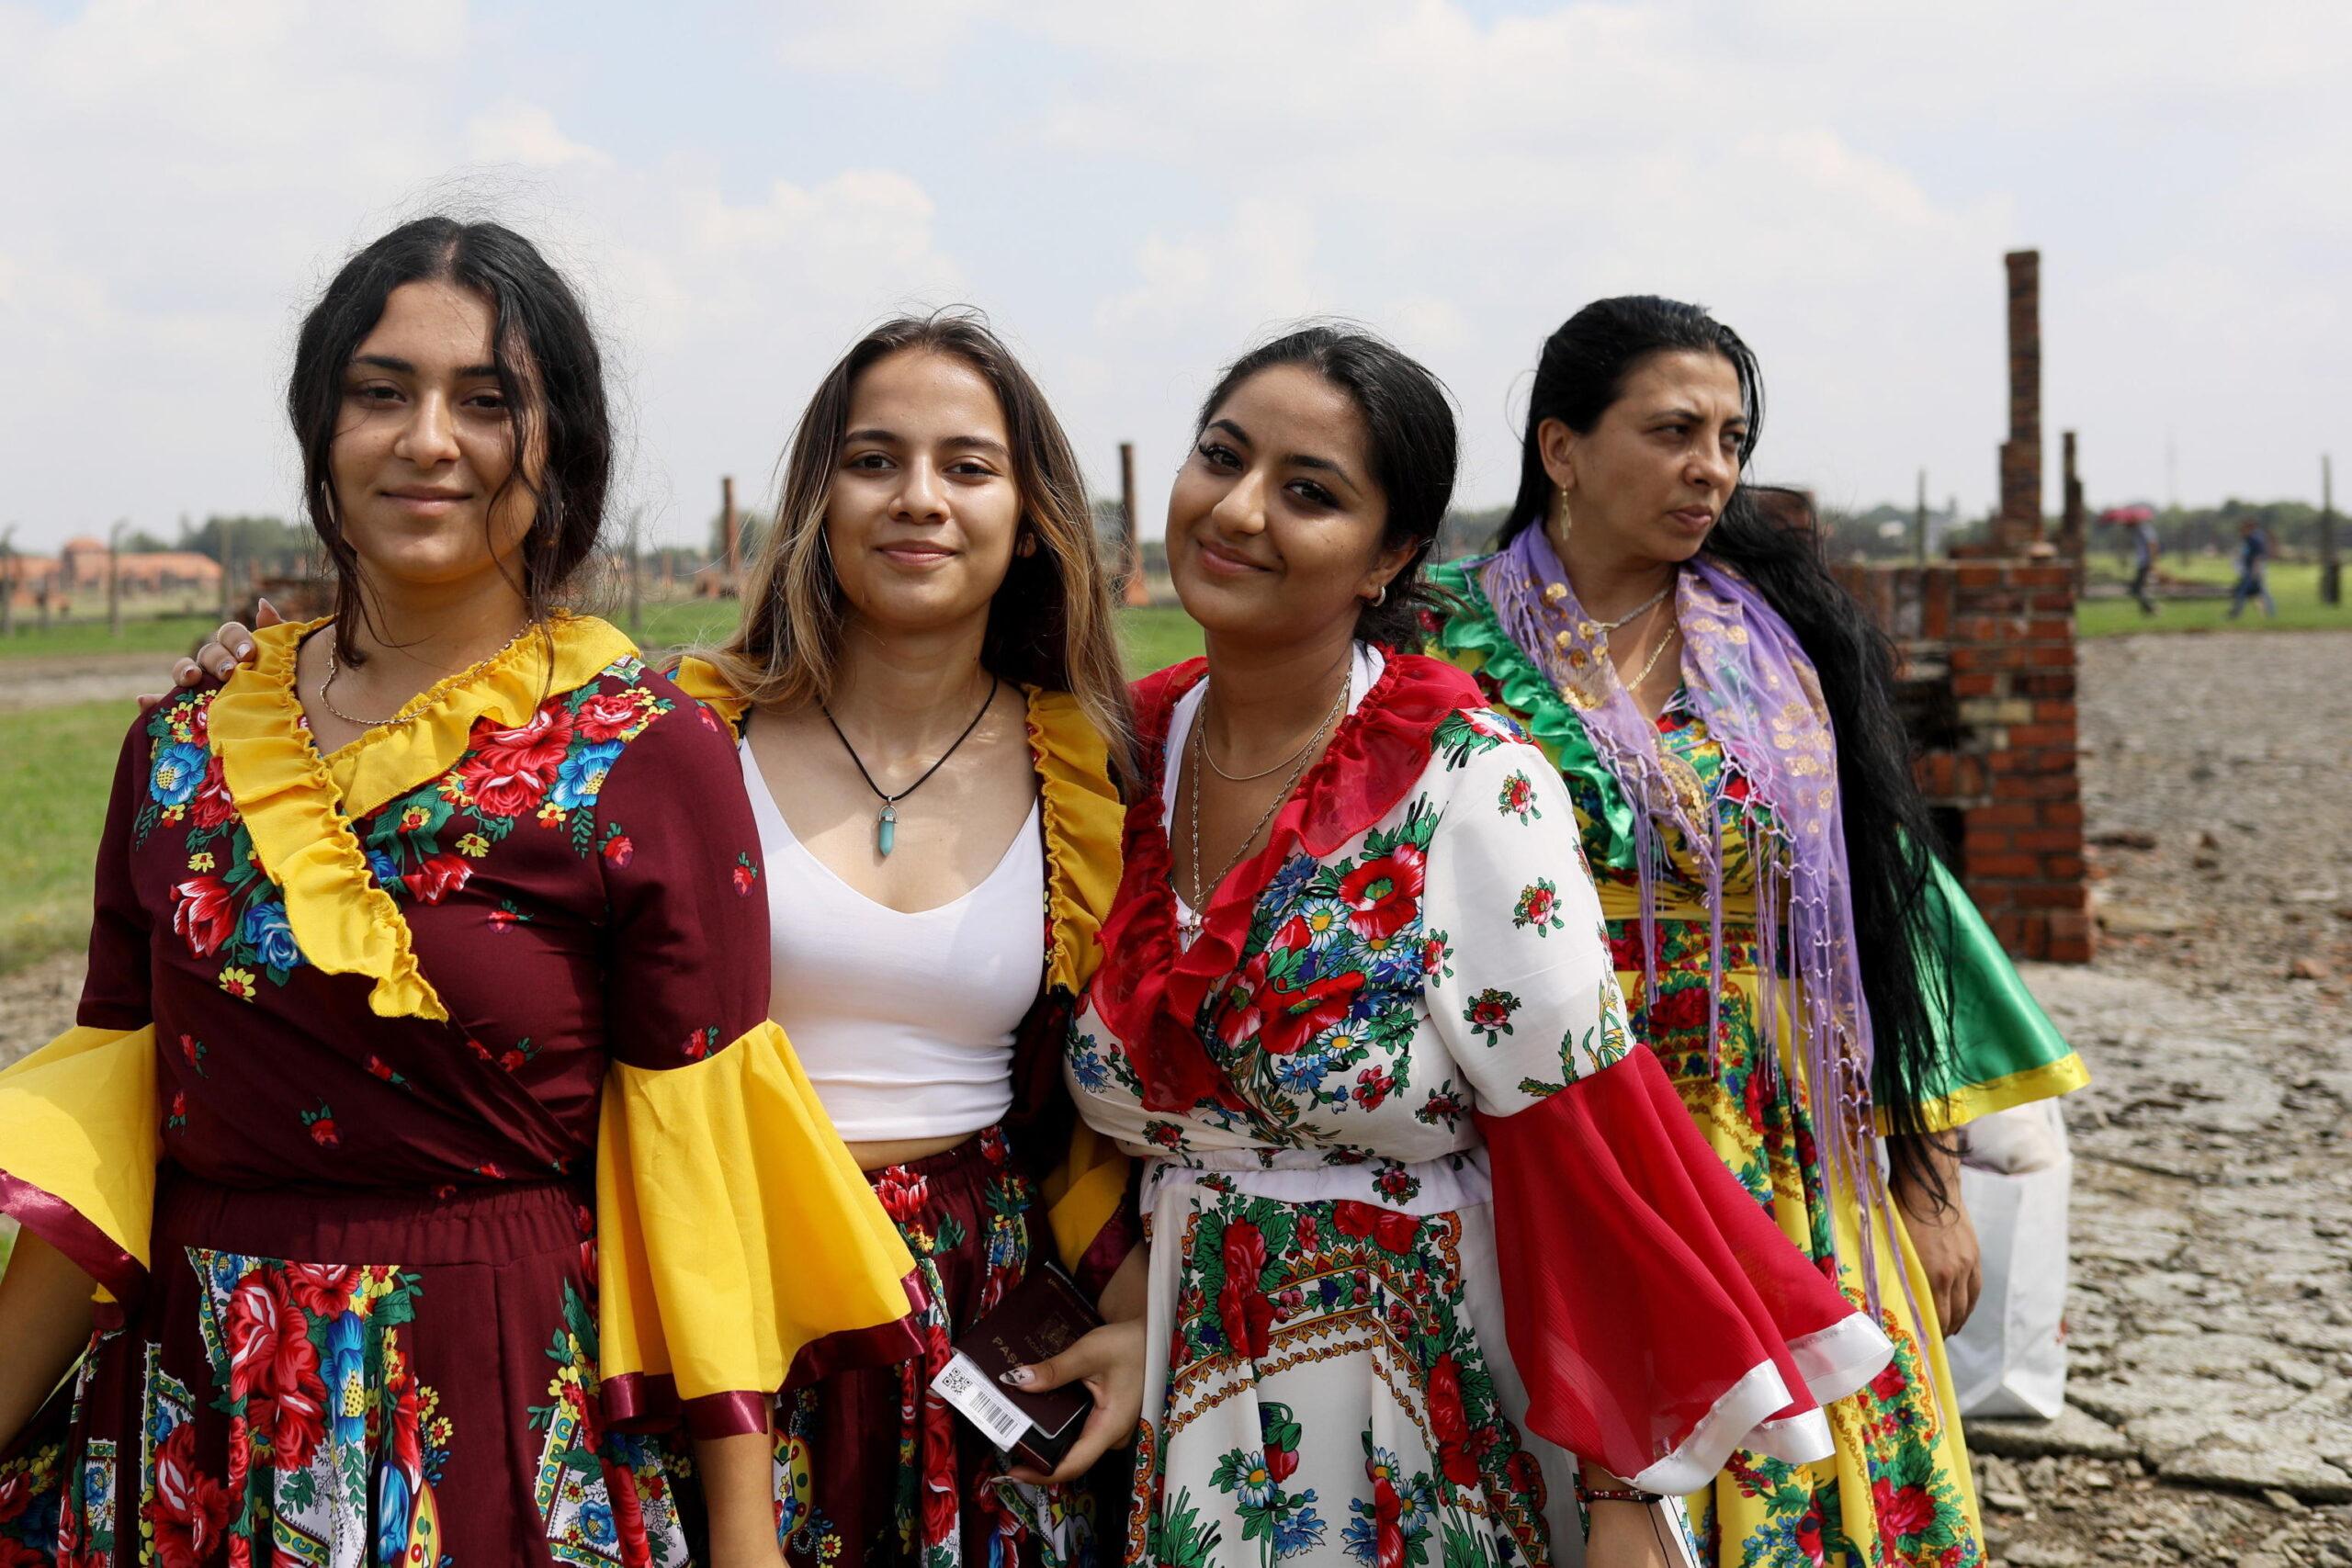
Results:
932 715
930 705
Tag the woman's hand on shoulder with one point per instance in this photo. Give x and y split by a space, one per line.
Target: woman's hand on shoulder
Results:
230 646
1108 1362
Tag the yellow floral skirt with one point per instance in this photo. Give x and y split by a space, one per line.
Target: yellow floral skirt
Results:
1897 1493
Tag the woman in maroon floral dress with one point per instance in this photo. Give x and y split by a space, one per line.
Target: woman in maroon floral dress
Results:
407 1125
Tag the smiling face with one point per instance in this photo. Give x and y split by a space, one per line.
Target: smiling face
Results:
923 513
423 444
1651 477
1275 525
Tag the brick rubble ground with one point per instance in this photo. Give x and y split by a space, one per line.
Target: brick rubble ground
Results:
2212 1291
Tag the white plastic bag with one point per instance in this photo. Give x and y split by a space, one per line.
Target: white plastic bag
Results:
2015 1171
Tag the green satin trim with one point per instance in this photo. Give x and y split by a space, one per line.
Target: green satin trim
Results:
1474 640
2000 1048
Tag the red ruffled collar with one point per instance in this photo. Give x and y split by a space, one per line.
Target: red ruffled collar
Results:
1150 988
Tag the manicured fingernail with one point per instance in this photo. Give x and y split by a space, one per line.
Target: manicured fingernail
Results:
244 650
1018 1377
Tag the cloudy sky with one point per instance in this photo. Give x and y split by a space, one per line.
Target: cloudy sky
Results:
1134 193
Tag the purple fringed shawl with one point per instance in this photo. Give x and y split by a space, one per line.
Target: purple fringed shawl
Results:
1752 683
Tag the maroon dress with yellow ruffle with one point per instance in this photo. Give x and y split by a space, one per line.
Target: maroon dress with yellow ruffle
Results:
375 1053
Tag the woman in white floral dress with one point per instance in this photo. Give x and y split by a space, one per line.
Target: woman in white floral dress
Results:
1435 1251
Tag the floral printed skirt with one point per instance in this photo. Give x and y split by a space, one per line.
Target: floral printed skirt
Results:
871 1467
1338 1387
344 1378
1897 1495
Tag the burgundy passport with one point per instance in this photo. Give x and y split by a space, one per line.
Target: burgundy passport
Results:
1042 1316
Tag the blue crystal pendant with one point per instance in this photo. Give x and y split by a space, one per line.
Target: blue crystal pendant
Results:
886 829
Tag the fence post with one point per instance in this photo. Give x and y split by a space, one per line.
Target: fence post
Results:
731 527
1136 592
636 576
2331 572
114 578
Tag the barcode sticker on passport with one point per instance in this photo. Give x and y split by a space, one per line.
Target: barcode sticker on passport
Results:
964 1385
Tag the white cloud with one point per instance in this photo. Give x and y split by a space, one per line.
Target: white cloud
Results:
1135 195
205 172
524 133
901 42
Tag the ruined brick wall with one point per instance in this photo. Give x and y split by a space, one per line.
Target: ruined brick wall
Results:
1988 689
2018 523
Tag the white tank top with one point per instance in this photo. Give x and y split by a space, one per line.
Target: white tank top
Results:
904 1023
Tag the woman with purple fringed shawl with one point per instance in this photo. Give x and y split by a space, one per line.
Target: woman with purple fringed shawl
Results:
1721 713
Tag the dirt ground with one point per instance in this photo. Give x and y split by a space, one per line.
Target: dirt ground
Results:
2210 1306
2210 1315
83 677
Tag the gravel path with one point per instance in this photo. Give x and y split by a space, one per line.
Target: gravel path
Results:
95 678
2210 1313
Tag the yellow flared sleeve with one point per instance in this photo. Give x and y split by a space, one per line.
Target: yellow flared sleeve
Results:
78 1147
700 680
1083 818
1084 1198
739 1248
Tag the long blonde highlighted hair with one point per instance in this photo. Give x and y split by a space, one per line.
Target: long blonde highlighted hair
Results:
1049 623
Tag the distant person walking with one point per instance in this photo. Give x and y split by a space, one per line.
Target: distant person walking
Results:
2143 529
2254 570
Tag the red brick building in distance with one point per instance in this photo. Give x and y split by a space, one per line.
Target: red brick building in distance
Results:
75 578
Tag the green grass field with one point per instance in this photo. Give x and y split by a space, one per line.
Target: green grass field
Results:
55 763
166 635
55 767
2294 586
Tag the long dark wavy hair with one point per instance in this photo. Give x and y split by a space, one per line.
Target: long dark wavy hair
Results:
549 366
1767 535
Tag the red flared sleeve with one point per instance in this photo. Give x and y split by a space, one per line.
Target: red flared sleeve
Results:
1658 1317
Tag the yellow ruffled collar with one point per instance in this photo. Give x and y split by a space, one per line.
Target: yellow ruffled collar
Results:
298 807
1083 815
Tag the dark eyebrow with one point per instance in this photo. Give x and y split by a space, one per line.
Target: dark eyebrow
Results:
1322 465
994 448
1295 459
402 368
1737 422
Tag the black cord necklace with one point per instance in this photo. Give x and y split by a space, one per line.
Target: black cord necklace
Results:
886 825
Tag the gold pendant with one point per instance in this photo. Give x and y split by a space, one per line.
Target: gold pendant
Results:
1684 780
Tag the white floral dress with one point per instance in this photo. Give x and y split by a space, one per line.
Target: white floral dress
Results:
1406 1041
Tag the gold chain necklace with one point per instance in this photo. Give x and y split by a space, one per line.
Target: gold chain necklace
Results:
327 685
1602 628
1263 772
1197 916
1635 684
